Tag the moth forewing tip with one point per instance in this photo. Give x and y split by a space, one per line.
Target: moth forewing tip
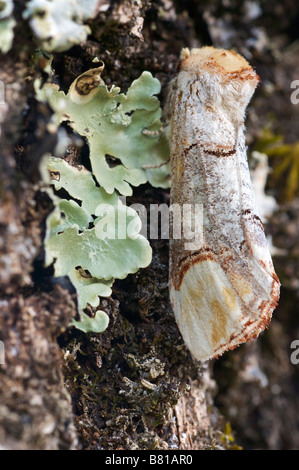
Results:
211 316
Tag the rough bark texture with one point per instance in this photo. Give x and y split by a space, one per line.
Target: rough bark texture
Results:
63 389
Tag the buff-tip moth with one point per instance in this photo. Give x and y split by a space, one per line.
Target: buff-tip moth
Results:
224 292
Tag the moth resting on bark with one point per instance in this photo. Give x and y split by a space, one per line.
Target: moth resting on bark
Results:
222 293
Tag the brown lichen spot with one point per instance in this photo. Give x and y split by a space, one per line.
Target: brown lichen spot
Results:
220 316
55 175
89 80
86 83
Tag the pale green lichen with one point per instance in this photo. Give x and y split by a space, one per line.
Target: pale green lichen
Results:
92 236
113 124
99 249
7 24
60 25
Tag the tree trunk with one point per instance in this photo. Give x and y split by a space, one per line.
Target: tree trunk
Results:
134 386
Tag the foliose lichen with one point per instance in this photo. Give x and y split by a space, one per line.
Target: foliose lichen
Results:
7 24
113 124
60 25
92 236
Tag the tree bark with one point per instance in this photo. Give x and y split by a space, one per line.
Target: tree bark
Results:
135 386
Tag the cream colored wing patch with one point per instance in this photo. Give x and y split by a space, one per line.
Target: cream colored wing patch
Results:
206 309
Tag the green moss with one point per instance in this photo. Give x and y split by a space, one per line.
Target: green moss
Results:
228 439
285 162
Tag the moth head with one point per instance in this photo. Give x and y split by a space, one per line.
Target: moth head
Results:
228 79
225 63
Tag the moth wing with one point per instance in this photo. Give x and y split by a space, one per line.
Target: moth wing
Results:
217 309
228 289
